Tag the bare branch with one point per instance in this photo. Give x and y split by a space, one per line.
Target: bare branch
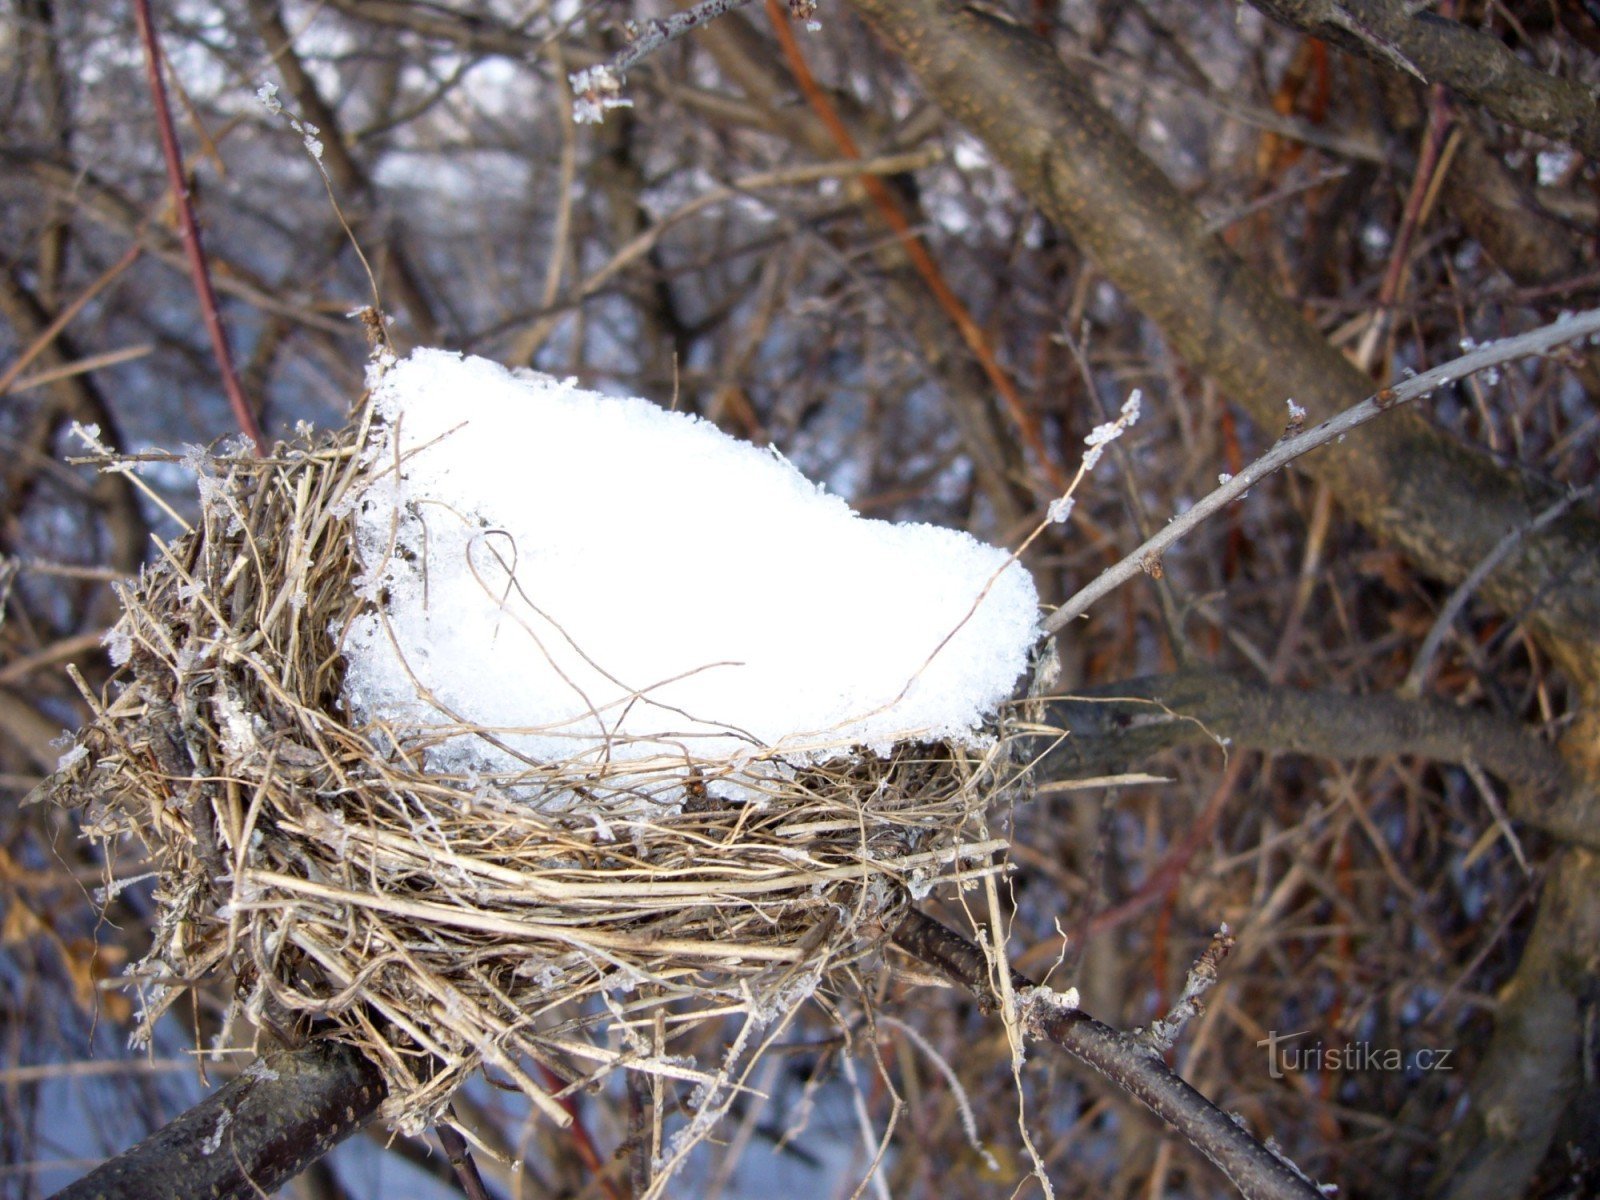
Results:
1473 64
1132 719
251 1135
198 266
1149 552
1122 1058
595 89
1163 1033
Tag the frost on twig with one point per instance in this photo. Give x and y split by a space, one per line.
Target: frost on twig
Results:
1036 1002
596 89
267 96
1163 1033
1097 440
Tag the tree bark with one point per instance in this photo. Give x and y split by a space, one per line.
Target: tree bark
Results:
249 1137
1133 1065
1473 64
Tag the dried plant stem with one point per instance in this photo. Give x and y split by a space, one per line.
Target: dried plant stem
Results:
190 228
1149 552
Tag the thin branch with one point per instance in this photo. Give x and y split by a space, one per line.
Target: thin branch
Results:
595 89
1417 677
916 250
8 378
1163 1033
198 268
1148 554
1122 1058
461 1161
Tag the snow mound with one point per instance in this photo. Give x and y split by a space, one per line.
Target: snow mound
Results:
598 581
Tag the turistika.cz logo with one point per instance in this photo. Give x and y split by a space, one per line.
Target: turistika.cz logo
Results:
1284 1055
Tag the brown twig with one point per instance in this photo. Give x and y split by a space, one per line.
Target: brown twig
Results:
460 1158
190 228
63 318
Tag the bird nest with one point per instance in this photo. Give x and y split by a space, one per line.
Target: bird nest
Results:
443 924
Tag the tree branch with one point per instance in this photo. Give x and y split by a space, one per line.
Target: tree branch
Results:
1129 721
1334 429
1444 504
1536 1060
1476 66
198 267
251 1135
1122 1058
345 172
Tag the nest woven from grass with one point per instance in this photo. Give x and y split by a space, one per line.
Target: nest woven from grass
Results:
441 923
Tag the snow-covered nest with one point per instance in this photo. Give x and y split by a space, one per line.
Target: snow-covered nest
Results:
339 823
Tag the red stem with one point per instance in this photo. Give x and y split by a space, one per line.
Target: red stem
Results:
190 230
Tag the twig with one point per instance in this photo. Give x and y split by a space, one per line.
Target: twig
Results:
1163 1033
1126 1061
916 251
460 1158
9 376
190 228
1417 677
595 89
1538 341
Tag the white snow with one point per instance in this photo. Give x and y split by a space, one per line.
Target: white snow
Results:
599 580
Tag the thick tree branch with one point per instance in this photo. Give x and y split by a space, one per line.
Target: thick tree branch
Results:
1122 1058
1127 722
1474 65
251 1135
